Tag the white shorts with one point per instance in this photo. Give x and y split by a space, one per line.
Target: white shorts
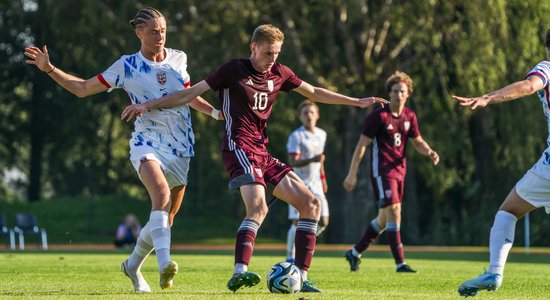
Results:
175 168
534 189
293 213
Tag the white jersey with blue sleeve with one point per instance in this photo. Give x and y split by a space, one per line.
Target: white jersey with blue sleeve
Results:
542 70
167 129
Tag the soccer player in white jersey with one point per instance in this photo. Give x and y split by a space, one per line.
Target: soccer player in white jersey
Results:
531 192
305 149
162 142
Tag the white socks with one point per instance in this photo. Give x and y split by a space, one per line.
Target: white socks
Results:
290 237
501 240
240 268
144 246
160 234
304 275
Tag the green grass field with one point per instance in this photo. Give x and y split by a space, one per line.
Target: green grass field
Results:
82 275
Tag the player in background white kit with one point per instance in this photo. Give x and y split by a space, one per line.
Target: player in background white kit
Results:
531 192
162 142
305 149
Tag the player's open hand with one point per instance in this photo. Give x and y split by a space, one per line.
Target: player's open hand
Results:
39 58
434 156
132 111
350 182
473 103
368 101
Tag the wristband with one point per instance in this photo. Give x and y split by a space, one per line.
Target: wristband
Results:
215 114
53 69
323 176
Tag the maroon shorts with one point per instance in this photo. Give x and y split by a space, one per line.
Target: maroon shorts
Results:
245 168
388 191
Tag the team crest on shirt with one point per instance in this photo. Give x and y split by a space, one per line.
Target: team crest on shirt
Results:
258 172
388 194
161 77
270 85
407 125
390 127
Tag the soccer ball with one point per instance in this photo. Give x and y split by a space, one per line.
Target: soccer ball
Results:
284 278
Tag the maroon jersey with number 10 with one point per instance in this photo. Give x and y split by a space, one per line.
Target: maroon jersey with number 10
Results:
389 136
247 97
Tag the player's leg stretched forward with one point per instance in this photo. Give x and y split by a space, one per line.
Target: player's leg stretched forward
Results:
292 190
156 233
500 242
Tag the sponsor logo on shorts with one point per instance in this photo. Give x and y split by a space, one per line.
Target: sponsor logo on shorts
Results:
258 172
388 194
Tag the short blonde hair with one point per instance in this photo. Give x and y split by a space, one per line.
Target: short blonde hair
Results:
398 77
267 33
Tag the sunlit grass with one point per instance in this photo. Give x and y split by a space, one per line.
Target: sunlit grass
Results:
62 275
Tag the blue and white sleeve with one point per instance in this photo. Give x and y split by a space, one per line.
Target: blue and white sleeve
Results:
541 70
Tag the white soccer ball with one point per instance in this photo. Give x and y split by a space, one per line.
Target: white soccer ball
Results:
284 278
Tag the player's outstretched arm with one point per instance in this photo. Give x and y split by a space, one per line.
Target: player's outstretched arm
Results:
322 95
351 179
175 99
200 104
513 91
78 86
423 148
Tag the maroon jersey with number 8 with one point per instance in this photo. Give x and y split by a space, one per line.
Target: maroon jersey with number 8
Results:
389 136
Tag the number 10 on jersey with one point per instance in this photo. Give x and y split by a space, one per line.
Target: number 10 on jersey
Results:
260 101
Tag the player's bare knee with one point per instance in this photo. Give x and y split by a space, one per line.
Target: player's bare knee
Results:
314 207
161 200
257 213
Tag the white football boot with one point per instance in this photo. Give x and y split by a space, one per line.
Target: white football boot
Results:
140 285
486 281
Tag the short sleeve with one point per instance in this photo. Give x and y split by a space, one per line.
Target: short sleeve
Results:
291 80
414 131
293 144
113 77
541 70
221 77
372 124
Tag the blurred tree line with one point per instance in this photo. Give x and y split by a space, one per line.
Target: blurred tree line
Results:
67 146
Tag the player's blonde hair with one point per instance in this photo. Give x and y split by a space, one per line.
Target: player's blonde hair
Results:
398 77
143 15
267 33
307 103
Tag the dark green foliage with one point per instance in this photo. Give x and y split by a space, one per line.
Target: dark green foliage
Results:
75 147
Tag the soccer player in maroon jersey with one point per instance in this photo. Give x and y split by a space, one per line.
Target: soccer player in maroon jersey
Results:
248 89
388 129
